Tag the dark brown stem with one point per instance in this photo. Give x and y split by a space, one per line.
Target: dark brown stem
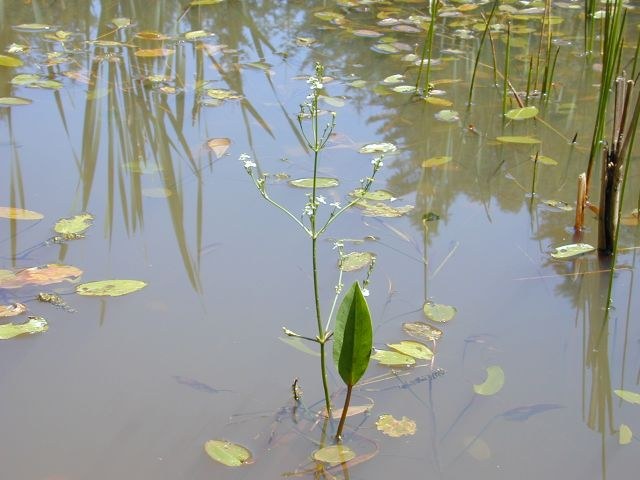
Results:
345 409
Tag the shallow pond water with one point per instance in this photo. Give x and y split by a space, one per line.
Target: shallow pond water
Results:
133 386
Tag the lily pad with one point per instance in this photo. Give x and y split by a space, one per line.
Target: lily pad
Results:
393 359
12 310
7 61
153 52
110 288
524 140
74 225
383 210
31 80
196 34
625 435
494 382
413 349
378 148
448 116
227 453
396 428
522 113
436 161
437 312
334 454
14 213
321 182
437 101
422 330
571 250
42 275
376 195
14 101
34 325
543 159
353 261
628 396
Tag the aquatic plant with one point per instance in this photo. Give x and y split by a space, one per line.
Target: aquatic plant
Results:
351 359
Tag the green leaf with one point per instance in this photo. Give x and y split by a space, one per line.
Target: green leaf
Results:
334 454
33 27
397 78
299 344
396 428
571 250
353 336
35 81
448 116
393 359
321 182
404 89
625 434
196 34
518 139
74 225
222 94
121 22
353 261
227 453
382 210
7 61
437 312
14 101
543 159
522 113
422 330
436 161
376 195
413 349
494 382
13 213
34 325
110 288
628 396
378 148
196 3
559 204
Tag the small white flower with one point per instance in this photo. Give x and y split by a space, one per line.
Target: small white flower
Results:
243 157
308 209
249 164
365 292
321 200
338 244
315 83
335 204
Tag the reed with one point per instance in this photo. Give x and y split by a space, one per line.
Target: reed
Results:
477 61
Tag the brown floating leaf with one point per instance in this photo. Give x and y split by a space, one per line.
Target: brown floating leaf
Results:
43 275
154 52
353 410
12 310
14 213
422 330
219 146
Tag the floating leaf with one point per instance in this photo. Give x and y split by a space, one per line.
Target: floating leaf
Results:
448 116
153 52
7 61
522 113
333 101
329 16
352 336
334 454
43 275
111 288
397 78
413 349
227 453
367 33
33 27
423 331
378 148
628 396
393 359
121 22
396 428
12 310
625 435
35 81
436 161
559 204
543 159
321 182
494 382
196 3
386 48
219 146
382 210
518 139
404 89
151 35
14 213
353 261
299 344
196 34
571 250
34 325
437 312
377 195
437 101
222 94
351 411
74 225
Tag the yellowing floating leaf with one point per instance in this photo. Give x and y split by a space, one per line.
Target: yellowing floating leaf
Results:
353 410
422 330
121 22
377 195
571 250
437 101
378 148
34 325
219 146
227 453
543 159
222 94
494 382
334 454
196 3
522 113
31 80
518 139
628 396
321 182
150 35
196 34
74 225
382 210
437 312
14 101
111 288
436 161
12 310
413 349
43 275
625 435
393 359
153 52
14 213
353 261
396 428
559 204
7 61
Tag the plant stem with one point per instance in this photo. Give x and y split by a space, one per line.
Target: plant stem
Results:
345 409
475 66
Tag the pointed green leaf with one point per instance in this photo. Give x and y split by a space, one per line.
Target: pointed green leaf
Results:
437 312
353 336
494 382
522 113
34 325
628 396
110 288
227 453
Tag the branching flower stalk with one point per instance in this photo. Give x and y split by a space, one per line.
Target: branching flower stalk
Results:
316 141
